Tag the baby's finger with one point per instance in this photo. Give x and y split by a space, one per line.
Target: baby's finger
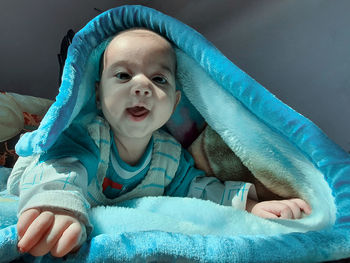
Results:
286 212
36 231
82 239
50 238
295 209
267 214
25 219
69 240
303 205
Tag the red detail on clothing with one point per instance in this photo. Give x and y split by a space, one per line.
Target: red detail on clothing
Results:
108 182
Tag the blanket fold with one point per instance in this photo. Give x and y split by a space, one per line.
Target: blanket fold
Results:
256 136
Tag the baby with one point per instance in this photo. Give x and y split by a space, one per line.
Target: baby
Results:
129 155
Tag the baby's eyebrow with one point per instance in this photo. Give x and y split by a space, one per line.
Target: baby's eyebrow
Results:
166 68
119 63
125 63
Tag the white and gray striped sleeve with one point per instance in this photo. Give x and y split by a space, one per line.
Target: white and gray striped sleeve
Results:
229 193
55 184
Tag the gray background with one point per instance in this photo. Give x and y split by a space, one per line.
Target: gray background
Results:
299 50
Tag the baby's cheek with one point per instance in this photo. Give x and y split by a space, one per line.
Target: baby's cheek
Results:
160 93
166 113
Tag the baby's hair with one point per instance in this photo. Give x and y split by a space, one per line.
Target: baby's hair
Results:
101 61
100 69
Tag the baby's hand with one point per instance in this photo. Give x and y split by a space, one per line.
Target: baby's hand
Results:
46 231
286 209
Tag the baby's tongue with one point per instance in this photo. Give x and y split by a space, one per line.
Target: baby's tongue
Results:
137 111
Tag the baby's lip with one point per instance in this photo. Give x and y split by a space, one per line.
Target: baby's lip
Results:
137 111
140 105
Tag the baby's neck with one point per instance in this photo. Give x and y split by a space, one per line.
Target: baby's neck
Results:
131 150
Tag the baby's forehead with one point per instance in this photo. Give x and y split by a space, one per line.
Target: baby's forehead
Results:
155 39
140 33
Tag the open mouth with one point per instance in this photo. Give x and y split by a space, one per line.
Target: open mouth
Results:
137 113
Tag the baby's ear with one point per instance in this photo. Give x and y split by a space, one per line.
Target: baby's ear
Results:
177 98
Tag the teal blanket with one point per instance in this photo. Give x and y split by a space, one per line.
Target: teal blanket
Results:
268 136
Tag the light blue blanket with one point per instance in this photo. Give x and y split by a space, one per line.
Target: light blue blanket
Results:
268 136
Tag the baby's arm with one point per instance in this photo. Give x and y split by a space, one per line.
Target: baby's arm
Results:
48 190
236 194
283 209
42 231
192 182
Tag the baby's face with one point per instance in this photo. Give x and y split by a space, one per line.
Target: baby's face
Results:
137 89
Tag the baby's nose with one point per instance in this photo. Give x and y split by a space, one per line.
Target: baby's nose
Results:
142 89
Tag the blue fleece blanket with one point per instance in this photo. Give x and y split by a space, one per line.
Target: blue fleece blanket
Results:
268 136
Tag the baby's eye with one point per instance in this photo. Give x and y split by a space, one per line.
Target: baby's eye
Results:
160 80
123 76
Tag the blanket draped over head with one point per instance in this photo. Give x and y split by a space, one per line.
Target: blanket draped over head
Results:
285 152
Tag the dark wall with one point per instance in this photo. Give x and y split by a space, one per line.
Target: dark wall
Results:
299 50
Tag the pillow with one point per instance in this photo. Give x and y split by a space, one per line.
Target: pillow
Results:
18 115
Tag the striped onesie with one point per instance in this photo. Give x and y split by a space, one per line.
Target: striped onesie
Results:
89 172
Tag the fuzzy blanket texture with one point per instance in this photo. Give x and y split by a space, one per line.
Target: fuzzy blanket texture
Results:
244 132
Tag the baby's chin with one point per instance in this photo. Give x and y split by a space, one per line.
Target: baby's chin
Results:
138 130
137 134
